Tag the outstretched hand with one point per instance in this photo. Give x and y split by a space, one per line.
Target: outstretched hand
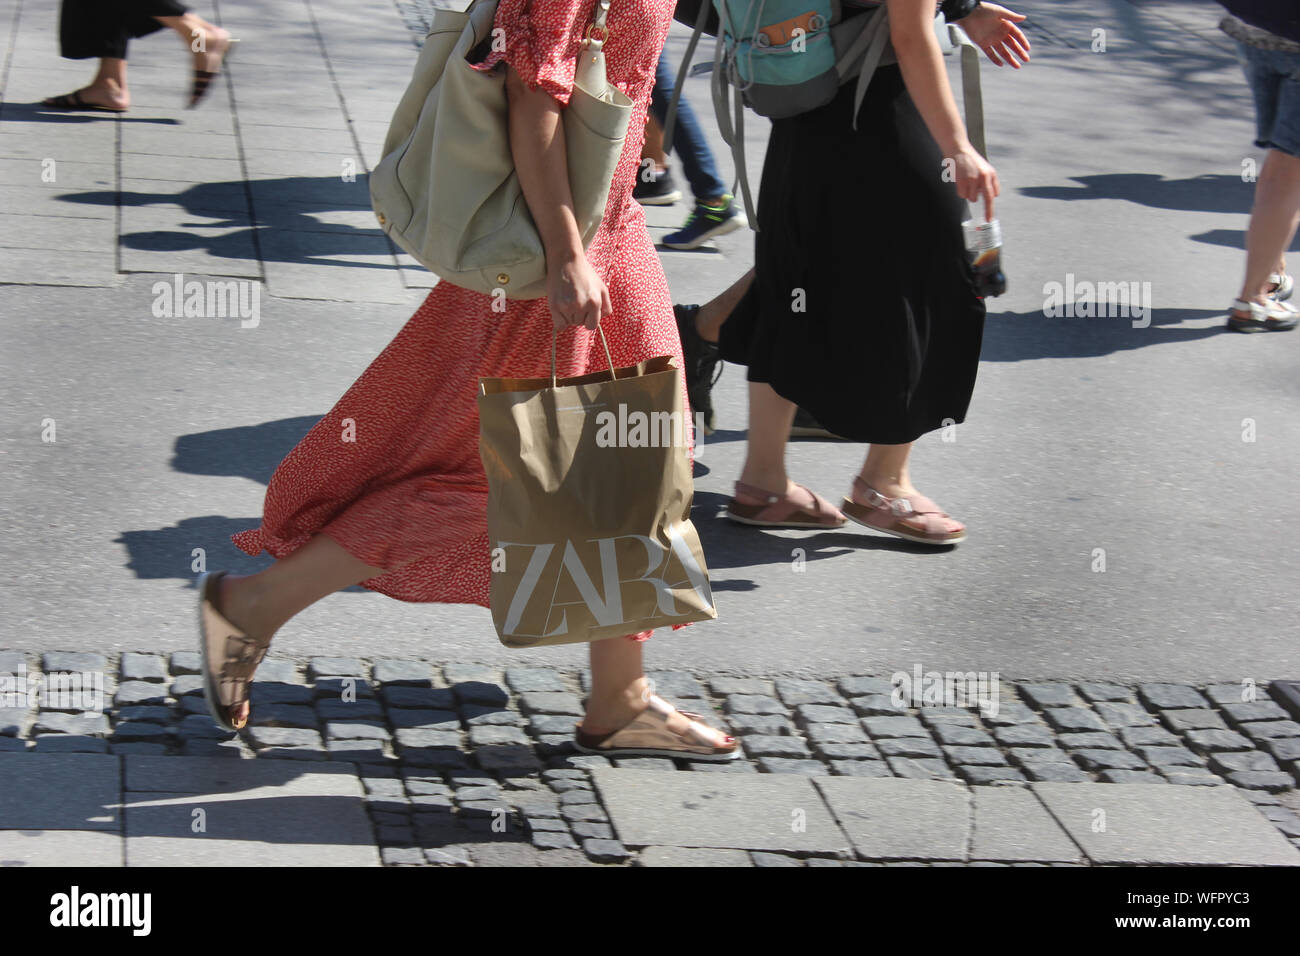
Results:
993 29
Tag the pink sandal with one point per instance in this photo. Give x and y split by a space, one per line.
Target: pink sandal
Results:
648 736
889 514
800 508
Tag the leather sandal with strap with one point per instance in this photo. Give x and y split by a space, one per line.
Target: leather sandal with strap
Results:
799 508
229 655
1272 316
882 513
1283 285
648 736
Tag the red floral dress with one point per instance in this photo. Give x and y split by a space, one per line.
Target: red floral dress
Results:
392 472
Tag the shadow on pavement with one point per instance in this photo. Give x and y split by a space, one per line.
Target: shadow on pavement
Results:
286 228
1211 193
39 113
1016 337
1234 239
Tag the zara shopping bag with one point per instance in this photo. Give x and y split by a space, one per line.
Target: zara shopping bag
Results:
589 505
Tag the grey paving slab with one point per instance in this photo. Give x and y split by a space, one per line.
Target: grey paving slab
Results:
189 169
737 811
901 819
63 233
170 141
281 137
55 172
38 267
207 775
1011 824
294 280
1142 824
297 825
78 848
66 791
79 204
688 856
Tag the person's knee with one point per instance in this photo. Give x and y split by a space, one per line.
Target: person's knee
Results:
1280 168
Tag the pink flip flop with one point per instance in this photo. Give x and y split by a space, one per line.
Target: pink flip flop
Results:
799 508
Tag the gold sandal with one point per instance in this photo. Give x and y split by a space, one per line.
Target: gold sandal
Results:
238 654
648 736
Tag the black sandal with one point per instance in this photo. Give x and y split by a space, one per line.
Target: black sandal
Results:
73 102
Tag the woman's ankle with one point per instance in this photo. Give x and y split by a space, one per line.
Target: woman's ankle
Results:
608 710
242 603
767 480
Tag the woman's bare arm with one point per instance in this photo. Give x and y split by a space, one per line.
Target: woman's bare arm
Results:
576 292
911 31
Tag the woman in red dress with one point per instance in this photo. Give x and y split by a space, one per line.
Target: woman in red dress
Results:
387 490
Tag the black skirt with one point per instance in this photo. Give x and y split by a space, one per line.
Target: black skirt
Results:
863 310
102 28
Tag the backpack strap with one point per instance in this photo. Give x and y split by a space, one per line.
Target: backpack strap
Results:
864 55
684 70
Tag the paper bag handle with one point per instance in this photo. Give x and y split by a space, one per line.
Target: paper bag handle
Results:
601 332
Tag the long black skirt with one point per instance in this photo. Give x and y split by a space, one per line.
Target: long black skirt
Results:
102 28
863 310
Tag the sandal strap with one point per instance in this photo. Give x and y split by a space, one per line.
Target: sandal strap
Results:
753 491
662 710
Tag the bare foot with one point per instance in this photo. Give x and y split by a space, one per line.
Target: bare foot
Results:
216 43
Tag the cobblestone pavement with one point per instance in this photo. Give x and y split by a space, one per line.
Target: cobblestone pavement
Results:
464 763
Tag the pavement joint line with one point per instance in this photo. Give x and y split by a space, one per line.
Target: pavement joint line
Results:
452 727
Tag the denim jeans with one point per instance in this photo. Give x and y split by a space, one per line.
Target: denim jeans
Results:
688 143
1274 77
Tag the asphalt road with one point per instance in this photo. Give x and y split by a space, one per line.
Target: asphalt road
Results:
1085 433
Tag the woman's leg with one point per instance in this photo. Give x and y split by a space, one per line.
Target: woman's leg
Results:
620 691
770 417
1273 221
260 604
712 315
206 41
654 144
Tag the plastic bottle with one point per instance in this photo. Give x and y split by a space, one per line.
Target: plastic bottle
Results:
984 245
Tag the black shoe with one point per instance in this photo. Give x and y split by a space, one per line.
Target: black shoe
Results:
805 426
703 364
657 190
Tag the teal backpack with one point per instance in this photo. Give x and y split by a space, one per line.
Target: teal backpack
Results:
781 58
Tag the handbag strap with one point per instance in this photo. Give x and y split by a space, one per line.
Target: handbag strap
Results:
609 358
597 31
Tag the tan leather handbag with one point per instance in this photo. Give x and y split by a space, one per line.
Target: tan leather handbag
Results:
446 190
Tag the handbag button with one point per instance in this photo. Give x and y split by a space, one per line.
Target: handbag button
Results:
503 278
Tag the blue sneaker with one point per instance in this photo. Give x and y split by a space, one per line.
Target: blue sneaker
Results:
704 223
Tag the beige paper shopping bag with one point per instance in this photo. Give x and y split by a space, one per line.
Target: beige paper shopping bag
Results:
589 505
